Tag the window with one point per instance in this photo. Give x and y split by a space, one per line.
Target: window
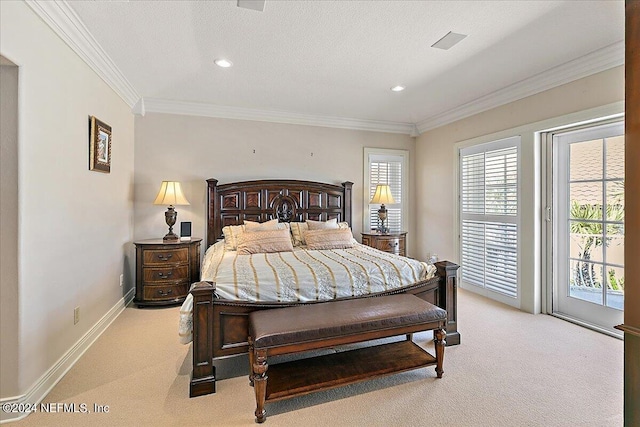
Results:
384 166
489 216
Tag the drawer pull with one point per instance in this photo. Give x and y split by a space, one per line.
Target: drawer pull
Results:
161 292
161 274
164 257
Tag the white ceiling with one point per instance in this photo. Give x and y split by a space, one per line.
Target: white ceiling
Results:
337 60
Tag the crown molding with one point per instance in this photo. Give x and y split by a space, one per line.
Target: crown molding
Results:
592 63
67 25
139 108
155 105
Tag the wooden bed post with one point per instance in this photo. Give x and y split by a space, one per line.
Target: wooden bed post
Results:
447 296
213 212
348 185
203 377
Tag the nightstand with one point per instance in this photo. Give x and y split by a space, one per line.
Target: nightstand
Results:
165 270
395 243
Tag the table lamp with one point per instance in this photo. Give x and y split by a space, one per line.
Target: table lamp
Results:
170 194
382 196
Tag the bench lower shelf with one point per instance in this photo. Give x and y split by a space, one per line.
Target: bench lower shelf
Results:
305 376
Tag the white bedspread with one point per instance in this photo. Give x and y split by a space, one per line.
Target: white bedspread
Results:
303 275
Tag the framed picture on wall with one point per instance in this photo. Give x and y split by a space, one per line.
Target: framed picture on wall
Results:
99 146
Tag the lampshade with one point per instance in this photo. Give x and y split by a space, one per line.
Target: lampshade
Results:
382 195
170 194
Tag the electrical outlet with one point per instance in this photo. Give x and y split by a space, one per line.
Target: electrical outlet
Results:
121 280
76 315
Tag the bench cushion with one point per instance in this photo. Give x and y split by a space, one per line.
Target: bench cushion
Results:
291 325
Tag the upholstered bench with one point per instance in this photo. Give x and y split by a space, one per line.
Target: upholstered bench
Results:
324 325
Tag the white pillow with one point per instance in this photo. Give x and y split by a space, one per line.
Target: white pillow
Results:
261 226
332 224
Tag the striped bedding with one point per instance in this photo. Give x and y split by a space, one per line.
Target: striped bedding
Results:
303 276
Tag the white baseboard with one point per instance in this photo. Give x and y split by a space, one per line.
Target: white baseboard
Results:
43 386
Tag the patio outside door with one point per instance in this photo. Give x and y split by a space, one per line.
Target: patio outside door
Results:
588 225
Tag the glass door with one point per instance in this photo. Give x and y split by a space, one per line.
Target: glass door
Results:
588 225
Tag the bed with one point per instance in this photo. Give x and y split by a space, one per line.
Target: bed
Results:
215 315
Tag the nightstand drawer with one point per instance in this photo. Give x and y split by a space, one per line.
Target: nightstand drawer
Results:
167 292
173 256
393 245
162 274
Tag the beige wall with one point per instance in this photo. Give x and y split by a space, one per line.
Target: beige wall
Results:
191 149
75 226
9 227
435 174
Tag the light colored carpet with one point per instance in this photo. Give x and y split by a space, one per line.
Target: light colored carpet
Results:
512 369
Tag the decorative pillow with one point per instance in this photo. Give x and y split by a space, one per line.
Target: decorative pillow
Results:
299 228
261 226
231 233
297 233
329 239
267 241
331 224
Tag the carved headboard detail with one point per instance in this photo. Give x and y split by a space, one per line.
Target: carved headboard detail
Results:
263 200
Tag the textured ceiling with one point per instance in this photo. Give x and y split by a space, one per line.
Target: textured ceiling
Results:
339 58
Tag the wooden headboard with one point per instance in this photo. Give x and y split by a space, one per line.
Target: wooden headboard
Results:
263 200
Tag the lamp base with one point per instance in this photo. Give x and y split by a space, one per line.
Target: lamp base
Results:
170 217
382 216
171 236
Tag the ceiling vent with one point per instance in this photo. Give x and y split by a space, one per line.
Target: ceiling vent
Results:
252 4
449 40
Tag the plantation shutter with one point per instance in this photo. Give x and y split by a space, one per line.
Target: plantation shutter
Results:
489 216
387 172
386 167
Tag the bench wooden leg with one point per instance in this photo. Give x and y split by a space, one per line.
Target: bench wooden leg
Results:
251 361
440 342
260 377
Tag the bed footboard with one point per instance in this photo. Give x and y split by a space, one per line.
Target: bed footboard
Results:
220 327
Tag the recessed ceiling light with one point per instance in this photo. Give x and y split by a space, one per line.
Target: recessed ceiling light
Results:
221 62
398 88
